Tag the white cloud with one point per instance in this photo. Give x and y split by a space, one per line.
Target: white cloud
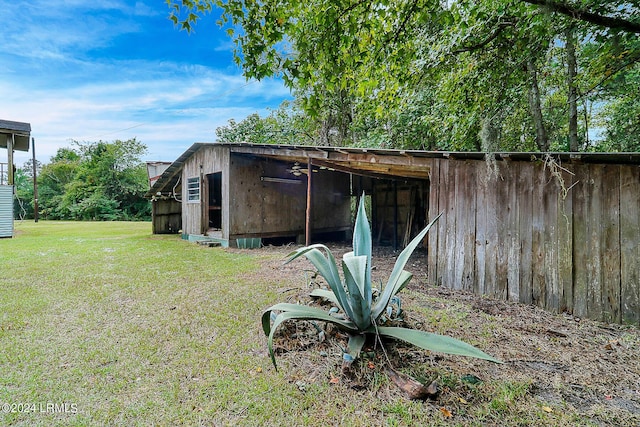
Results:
167 114
51 78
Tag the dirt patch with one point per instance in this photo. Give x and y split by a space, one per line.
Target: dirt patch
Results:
556 361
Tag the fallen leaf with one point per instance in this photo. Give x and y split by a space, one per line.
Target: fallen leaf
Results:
547 409
447 413
334 380
370 365
464 402
414 388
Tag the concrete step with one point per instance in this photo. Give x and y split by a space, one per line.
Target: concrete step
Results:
209 243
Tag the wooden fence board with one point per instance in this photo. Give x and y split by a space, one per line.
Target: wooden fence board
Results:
481 228
525 219
630 243
594 238
465 226
610 236
458 177
550 200
444 224
565 243
433 211
512 228
580 197
492 237
538 288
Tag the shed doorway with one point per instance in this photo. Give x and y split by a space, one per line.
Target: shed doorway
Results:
214 182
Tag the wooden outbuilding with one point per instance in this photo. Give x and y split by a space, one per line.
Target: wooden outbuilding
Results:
558 230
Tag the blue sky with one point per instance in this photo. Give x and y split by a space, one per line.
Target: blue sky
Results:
114 69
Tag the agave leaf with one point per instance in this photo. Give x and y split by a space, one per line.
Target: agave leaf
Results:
306 312
354 268
354 347
398 268
326 294
357 267
435 342
362 243
326 266
385 298
296 311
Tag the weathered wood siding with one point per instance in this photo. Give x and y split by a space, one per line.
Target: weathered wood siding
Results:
166 216
565 239
254 207
207 160
260 207
272 209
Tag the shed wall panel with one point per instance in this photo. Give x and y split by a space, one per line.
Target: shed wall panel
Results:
581 248
563 237
6 211
433 211
630 243
213 160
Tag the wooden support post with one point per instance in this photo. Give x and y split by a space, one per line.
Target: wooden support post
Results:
309 194
10 143
395 215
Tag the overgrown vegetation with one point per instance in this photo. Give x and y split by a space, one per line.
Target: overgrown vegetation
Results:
102 181
359 309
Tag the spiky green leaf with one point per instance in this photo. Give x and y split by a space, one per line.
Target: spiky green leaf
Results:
327 268
326 294
435 342
362 242
398 269
381 303
354 347
297 312
354 268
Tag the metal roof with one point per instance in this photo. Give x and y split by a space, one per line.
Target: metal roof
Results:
375 162
20 131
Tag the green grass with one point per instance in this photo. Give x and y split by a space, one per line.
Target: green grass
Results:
128 328
131 328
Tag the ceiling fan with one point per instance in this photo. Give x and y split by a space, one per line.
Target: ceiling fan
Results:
297 170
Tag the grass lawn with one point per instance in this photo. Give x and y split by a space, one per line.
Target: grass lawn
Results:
104 323
127 328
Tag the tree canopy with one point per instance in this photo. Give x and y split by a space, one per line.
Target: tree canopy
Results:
466 75
88 181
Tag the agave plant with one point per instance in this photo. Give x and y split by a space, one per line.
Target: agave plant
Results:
360 309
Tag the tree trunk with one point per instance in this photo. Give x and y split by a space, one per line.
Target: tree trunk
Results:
572 71
542 140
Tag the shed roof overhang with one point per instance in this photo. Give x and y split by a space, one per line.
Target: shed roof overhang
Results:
378 163
20 132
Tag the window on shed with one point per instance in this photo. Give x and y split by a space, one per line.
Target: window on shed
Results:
193 189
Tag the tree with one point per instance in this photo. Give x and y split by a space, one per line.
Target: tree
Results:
621 14
284 125
513 74
95 181
53 180
23 202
